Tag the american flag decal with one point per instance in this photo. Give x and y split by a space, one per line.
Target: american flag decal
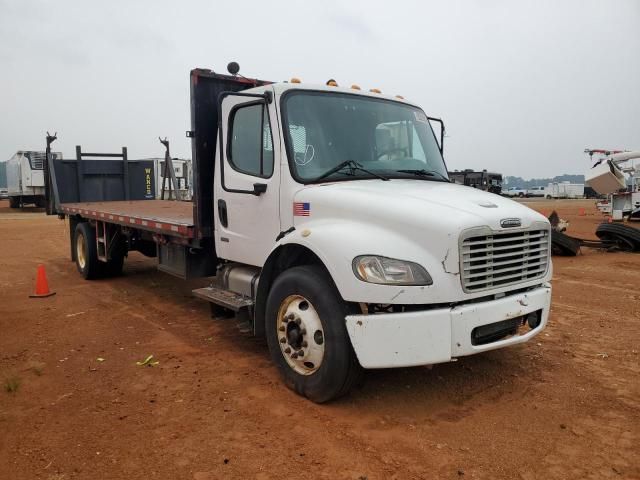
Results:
301 209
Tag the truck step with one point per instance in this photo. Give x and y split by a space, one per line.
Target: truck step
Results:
224 298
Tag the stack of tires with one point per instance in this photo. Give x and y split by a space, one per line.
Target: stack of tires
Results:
625 238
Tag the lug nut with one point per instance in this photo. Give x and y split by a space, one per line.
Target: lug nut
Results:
283 340
300 353
305 344
282 329
287 350
291 316
298 321
303 331
294 355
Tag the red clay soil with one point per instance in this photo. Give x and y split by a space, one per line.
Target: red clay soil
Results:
563 406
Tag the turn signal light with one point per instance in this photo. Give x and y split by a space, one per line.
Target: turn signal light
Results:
355 87
332 83
400 97
295 80
375 90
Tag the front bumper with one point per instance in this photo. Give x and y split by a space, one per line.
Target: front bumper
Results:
435 336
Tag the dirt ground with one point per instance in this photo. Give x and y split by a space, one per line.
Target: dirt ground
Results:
563 406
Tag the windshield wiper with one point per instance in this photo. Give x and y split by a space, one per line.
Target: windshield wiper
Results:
424 173
353 166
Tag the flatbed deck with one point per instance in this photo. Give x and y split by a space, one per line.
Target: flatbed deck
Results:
162 216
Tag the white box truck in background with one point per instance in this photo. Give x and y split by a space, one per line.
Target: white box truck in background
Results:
565 190
25 178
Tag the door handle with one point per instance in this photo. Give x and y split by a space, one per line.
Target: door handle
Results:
259 188
222 213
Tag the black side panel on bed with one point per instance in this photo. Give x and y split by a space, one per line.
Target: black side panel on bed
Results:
104 180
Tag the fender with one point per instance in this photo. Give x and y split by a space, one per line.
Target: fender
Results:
336 243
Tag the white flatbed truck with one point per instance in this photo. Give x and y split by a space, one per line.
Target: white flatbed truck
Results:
328 220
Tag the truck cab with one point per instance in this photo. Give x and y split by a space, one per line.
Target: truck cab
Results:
335 217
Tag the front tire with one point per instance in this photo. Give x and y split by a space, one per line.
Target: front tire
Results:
307 336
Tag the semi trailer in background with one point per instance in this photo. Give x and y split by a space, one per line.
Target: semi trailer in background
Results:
329 224
25 178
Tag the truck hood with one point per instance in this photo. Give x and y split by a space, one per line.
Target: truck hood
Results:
413 220
447 206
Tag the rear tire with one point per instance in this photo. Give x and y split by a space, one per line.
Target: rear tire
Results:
14 202
317 328
86 255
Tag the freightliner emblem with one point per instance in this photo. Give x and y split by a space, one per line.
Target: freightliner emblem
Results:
510 222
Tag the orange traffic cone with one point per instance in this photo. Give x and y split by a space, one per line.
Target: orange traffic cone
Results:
42 286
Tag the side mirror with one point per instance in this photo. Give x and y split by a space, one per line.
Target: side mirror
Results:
440 124
259 189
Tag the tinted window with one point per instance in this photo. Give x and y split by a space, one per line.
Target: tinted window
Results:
251 148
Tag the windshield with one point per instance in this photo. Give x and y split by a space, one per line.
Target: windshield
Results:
384 137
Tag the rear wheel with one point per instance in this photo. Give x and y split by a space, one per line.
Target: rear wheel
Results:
84 243
307 337
14 202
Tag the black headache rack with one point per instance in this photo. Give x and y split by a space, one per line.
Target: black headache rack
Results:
206 87
96 177
108 177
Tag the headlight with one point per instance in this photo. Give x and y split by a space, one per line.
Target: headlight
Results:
389 271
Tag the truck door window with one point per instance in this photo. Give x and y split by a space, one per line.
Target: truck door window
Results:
251 143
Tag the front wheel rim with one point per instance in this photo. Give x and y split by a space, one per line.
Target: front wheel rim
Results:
81 253
300 335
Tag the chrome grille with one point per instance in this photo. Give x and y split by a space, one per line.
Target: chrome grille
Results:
497 259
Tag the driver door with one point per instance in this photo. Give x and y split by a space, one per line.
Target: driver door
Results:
248 179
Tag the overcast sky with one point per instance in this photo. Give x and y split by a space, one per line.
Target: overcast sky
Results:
523 86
